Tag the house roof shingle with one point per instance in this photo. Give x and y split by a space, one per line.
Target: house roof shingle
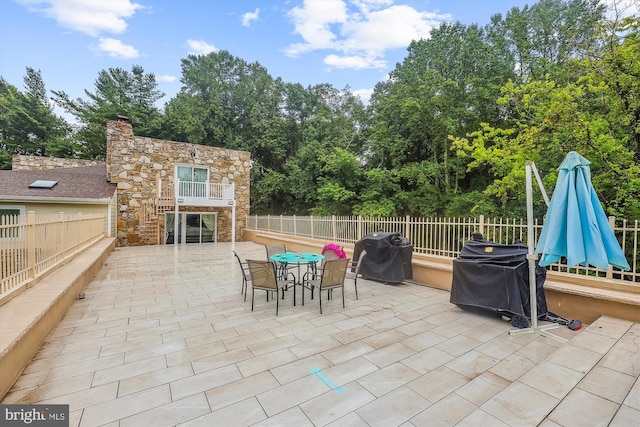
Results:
83 182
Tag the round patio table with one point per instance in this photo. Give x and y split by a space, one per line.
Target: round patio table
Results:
298 258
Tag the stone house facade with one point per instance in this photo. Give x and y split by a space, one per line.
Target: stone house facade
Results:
150 193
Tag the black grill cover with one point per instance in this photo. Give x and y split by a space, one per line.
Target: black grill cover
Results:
493 276
388 257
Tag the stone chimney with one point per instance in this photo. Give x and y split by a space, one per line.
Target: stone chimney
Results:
119 137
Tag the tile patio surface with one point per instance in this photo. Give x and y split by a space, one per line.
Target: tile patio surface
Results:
164 338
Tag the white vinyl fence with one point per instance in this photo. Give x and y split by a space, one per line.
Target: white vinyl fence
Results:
33 243
444 236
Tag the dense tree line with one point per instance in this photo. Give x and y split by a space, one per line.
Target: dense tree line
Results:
448 133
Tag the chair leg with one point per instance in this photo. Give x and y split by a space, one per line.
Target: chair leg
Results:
253 293
276 298
320 298
355 284
342 296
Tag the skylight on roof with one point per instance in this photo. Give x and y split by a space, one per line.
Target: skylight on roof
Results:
41 183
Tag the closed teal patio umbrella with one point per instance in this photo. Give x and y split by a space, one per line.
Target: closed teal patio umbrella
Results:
576 226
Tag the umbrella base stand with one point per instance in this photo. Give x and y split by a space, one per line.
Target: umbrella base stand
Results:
530 169
542 330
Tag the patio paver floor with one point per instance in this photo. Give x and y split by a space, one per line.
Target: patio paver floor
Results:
164 337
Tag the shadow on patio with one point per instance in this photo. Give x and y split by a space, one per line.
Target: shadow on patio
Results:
163 337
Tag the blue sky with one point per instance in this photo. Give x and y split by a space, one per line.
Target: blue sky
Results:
342 42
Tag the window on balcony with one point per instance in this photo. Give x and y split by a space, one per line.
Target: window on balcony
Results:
194 181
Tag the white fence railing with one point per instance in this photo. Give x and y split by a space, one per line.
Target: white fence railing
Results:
213 191
445 236
32 244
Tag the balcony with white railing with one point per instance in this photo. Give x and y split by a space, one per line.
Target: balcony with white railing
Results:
189 193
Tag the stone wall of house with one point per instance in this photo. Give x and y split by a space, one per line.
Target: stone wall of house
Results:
135 164
22 162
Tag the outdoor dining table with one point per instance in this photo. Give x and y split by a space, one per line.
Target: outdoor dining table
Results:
298 258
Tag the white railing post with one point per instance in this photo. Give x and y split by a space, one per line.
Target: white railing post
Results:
407 227
63 236
481 225
31 244
311 219
359 227
333 227
612 224
295 227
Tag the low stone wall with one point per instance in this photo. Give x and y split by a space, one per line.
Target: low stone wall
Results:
22 162
585 299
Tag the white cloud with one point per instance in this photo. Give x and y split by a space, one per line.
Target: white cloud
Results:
313 22
359 32
364 94
167 78
622 8
390 28
354 62
88 17
249 17
199 47
116 49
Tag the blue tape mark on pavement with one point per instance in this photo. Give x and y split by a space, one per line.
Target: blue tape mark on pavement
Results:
322 377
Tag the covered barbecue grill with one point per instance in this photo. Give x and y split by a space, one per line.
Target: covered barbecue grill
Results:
495 277
388 257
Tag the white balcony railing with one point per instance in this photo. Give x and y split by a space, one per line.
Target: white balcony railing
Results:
209 191
193 193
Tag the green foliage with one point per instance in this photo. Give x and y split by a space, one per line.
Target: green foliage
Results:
338 183
447 134
377 196
117 92
549 121
27 122
547 36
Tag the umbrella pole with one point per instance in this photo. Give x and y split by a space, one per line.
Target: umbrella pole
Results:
532 257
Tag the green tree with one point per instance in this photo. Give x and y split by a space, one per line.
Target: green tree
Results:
376 199
339 183
445 86
551 121
28 124
227 102
544 38
289 130
117 92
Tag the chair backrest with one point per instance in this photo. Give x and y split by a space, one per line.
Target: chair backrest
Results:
360 258
275 249
333 273
241 264
263 274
